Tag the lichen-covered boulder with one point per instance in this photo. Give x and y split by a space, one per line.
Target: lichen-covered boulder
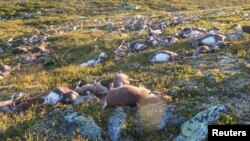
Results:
67 124
116 123
195 129
86 126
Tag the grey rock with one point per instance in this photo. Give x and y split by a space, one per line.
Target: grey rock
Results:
195 129
86 126
69 118
116 123
174 93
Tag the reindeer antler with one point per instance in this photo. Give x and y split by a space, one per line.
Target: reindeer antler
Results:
78 83
123 41
111 85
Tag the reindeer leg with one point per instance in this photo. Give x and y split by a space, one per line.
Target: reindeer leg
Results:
74 105
104 105
56 105
78 83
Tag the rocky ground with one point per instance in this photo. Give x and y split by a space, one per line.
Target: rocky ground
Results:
44 45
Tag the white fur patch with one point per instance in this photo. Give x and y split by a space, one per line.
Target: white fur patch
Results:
211 32
194 33
140 46
166 41
52 98
208 41
161 57
156 31
104 55
155 42
89 63
105 104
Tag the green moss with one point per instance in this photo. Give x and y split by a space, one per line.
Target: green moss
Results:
228 118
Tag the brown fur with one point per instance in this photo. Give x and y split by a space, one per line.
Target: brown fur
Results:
19 50
120 79
67 95
202 50
96 88
7 106
126 95
99 89
83 89
246 29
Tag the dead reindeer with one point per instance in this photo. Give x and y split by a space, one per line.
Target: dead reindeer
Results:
81 90
207 40
97 60
239 31
122 50
96 88
200 50
90 97
164 56
155 97
9 106
191 32
244 28
99 89
120 79
127 95
60 95
221 45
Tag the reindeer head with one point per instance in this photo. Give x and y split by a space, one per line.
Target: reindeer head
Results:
236 27
17 96
91 97
194 41
178 57
99 88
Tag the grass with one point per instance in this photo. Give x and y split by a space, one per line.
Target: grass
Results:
198 80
